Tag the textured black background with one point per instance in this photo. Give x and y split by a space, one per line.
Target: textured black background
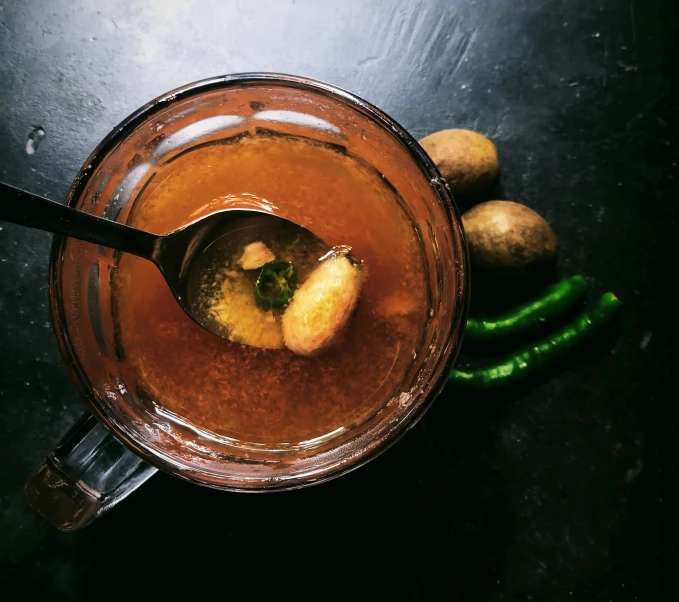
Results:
562 491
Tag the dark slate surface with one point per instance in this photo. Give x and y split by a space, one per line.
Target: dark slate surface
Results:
561 491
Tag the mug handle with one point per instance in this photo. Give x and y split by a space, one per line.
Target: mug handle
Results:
88 473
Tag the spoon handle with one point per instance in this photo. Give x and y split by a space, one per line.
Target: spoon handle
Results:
26 209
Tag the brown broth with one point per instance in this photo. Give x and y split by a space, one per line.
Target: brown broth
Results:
271 396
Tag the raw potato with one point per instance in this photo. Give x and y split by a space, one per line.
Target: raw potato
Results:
255 255
323 305
467 160
508 237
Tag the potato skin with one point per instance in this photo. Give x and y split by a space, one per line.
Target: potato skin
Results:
467 160
508 237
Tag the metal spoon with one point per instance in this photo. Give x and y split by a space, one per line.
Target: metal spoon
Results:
181 256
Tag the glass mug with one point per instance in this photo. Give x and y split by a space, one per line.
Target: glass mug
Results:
124 441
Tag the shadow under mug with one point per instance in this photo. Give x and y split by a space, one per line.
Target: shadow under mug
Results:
124 440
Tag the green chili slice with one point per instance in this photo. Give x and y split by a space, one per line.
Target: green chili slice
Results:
276 284
544 352
557 301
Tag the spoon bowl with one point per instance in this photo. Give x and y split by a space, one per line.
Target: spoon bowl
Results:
192 257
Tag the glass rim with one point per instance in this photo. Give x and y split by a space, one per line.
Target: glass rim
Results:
145 113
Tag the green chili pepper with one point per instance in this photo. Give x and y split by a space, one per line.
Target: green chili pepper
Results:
557 301
276 284
544 352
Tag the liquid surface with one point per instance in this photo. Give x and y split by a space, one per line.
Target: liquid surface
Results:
272 396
